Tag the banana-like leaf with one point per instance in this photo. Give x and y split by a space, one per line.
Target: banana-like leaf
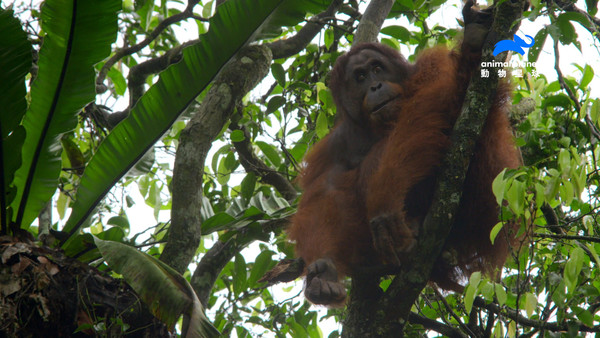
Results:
15 61
78 35
235 23
166 292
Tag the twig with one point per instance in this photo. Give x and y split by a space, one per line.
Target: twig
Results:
186 14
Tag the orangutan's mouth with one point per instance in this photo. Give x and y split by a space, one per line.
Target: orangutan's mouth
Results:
384 104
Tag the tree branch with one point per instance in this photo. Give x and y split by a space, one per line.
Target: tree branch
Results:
213 262
570 237
253 164
553 225
594 23
561 79
284 48
138 73
407 285
238 77
372 20
186 14
538 324
436 326
215 259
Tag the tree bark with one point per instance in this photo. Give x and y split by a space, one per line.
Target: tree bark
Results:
236 79
372 20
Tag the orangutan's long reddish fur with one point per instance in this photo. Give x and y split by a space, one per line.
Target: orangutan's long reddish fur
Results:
395 168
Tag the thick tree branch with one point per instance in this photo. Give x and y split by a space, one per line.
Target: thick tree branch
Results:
365 316
138 73
215 259
372 20
407 285
221 253
238 77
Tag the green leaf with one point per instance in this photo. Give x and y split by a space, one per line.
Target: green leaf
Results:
471 291
329 38
223 172
224 150
207 9
231 163
322 128
119 221
166 292
206 209
552 187
397 32
568 34
216 222
81 243
145 13
240 275
592 6
289 13
269 151
579 179
407 3
587 77
15 61
62 204
487 291
498 330
540 197
112 234
495 230
594 253
515 197
498 186
327 99
261 265
530 303
299 150
500 294
567 193
248 185
78 35
512 329
573 268
564 162
540 40
118 80
232 27
585 316
588 224
560 100
278 73
275 103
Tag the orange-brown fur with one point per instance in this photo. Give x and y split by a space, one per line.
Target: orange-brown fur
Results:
360 172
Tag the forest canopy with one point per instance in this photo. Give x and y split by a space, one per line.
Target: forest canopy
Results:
150 151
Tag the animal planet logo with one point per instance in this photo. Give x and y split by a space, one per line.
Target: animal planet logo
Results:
515 45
